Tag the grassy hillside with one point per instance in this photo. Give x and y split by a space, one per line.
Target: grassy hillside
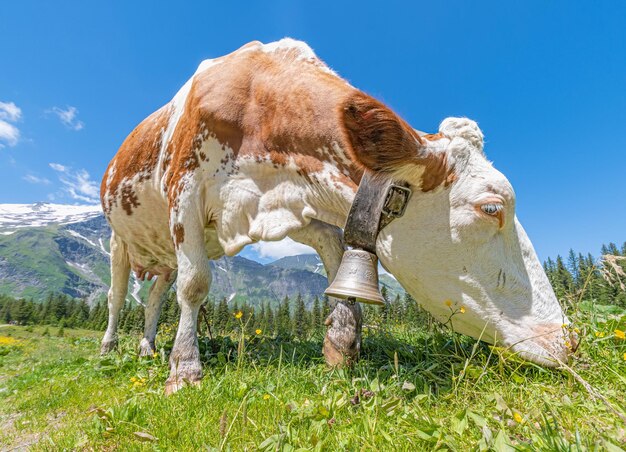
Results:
413 389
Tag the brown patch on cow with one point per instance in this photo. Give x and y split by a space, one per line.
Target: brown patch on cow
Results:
179 234
128 199
436 172
138 155
277 108
433 136
379 139
270 107
382 141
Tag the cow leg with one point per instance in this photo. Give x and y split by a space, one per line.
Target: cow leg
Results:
120 272
343 338
194 279
158 293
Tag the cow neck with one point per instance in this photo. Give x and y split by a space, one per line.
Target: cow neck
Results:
378 201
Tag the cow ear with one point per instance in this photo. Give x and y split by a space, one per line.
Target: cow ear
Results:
378 138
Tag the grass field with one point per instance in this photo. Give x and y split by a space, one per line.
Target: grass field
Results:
412 390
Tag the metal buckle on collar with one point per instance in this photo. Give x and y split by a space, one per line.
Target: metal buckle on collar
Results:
396 200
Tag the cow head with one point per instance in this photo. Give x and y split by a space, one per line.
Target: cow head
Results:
459 248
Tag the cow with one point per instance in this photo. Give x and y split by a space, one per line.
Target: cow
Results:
267 143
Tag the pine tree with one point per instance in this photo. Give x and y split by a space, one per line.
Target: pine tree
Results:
384 310
325 309
222 316
300 324
270 320
283 319
573 267
563 280
316 315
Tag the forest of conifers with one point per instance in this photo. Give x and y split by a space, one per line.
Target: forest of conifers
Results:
575 278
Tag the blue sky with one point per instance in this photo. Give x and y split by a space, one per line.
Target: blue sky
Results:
546 81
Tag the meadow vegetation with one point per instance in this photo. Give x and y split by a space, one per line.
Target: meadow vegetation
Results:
417 386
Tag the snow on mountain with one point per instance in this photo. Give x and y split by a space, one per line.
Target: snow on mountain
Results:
16 216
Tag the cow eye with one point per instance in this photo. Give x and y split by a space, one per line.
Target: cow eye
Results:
492 209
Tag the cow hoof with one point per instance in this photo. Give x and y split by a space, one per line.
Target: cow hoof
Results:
108 346
335 357
172 385
146 348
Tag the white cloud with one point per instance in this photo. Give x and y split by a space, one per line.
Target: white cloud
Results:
10 112
36 180
69 117
276 250
9 134
77 183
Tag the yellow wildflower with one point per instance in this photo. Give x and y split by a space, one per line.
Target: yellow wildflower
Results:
258 331
448 303
462 309
624 356
599 333
518 418
576 330
155 354
266 397
620 334
565 325
7 340
133 379
238 314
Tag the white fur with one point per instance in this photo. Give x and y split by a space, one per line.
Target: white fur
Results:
443 248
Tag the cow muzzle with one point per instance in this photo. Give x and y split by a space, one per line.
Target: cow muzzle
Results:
549 345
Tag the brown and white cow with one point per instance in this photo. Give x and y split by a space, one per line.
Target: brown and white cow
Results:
268 143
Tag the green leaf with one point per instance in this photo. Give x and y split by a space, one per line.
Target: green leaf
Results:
459 422
477 418
501 443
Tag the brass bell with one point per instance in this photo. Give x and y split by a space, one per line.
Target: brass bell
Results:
357 277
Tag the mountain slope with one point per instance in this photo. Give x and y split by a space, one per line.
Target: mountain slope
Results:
54 248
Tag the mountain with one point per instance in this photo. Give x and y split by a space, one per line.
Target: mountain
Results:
19 216
309 262
313 263
60 248
53 248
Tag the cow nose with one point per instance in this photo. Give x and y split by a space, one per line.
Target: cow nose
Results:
556 340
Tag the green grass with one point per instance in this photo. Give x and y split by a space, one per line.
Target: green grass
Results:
412 390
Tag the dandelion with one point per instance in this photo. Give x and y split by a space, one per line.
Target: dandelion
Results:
266 397
448 303
258 331
238 314
6 340
518 418
620 334
462 309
